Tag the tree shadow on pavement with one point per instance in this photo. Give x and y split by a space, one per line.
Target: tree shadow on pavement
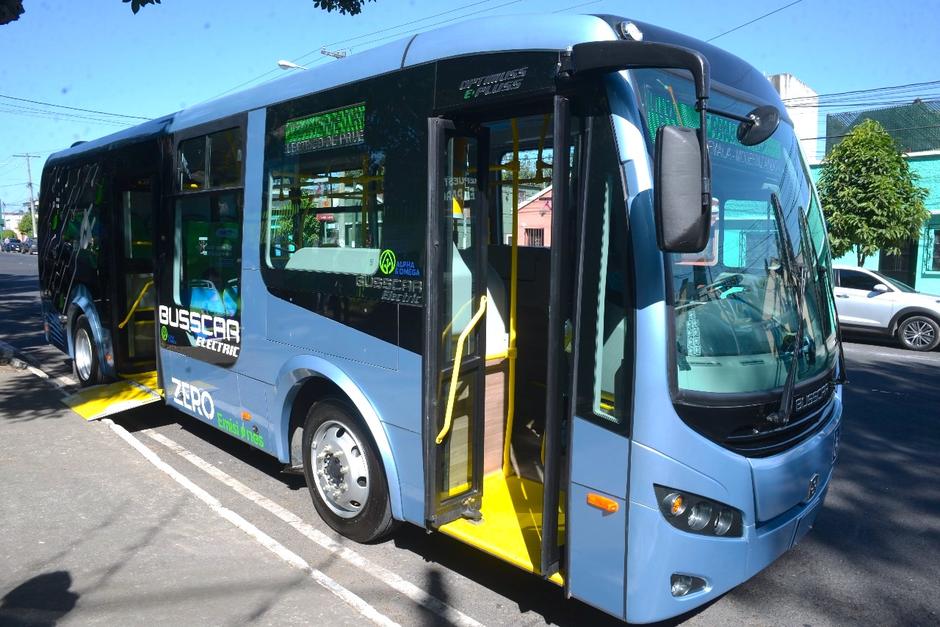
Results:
871 555
20 311
40 600
24 397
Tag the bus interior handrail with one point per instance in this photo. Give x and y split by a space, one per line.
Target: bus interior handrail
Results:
455 375
136 304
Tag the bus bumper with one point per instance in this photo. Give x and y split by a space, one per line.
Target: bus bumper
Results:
657 550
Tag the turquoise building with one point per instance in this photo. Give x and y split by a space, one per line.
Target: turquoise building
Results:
918 264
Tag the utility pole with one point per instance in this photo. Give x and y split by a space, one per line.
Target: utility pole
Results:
29 175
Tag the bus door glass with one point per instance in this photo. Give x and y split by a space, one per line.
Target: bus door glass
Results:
135 304
602 397
456 342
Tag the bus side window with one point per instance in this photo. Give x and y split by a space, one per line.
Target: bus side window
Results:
326 214
210 251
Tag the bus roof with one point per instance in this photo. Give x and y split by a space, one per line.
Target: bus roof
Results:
482 35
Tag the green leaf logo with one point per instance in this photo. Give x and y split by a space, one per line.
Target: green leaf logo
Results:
387 261
164 333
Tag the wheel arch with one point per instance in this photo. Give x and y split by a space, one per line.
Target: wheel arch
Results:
907 312
82 303
304 379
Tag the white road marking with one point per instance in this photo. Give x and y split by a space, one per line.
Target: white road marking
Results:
902 356
406 588
262 538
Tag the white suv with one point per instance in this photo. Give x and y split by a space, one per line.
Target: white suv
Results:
872 302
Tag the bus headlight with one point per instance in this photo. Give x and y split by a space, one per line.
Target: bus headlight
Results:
696 514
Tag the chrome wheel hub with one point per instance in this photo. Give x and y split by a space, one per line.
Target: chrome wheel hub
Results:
340 469
919 334
83 355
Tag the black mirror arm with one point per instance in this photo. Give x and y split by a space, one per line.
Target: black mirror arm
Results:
615 56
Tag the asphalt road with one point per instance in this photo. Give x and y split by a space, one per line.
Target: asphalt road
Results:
91 498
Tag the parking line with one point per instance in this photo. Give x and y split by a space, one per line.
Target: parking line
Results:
350 598
902 356
406 588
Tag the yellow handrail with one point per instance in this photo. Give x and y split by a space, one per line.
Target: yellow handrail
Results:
452 393
140 297
513 294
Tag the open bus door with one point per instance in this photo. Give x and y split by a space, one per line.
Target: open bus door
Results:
131 195
486 482
455 345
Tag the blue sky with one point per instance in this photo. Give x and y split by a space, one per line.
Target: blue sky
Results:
96 54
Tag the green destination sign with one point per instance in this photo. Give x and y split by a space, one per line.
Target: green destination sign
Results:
330 129
722 134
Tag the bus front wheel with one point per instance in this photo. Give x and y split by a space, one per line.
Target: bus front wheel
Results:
344 473
85 359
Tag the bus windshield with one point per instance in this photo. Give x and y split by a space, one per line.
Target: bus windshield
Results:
736 306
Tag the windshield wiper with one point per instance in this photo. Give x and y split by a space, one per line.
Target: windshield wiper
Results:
796 273
838 378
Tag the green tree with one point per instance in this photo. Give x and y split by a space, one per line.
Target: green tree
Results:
345 7
6 234
869 194
26 225
11 10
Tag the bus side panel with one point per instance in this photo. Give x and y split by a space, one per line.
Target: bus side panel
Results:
389 402
597 560
204 391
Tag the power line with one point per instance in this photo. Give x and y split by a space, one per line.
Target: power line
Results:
50 104
577 6
870 104
889 130
756 19
53 114
869 90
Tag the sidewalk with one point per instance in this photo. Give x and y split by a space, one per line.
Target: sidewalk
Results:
94 534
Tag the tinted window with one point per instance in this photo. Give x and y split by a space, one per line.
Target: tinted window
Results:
225 158
857 280
209 252
345 198
210 161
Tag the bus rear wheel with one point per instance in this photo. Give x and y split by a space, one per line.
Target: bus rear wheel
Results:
85 361
344 473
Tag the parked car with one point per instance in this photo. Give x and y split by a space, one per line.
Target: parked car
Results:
12 246
30 246
870 302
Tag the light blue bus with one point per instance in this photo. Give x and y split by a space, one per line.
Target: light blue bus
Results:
556 286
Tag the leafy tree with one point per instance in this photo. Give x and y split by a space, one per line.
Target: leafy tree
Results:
26 225
6 234
869 194
11 10
345 7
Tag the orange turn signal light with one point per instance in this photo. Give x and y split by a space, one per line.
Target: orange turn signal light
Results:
602 503
246 415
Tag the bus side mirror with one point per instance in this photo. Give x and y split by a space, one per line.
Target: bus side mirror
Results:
683 217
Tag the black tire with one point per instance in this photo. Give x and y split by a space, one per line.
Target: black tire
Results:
366 521
85 366
919 333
